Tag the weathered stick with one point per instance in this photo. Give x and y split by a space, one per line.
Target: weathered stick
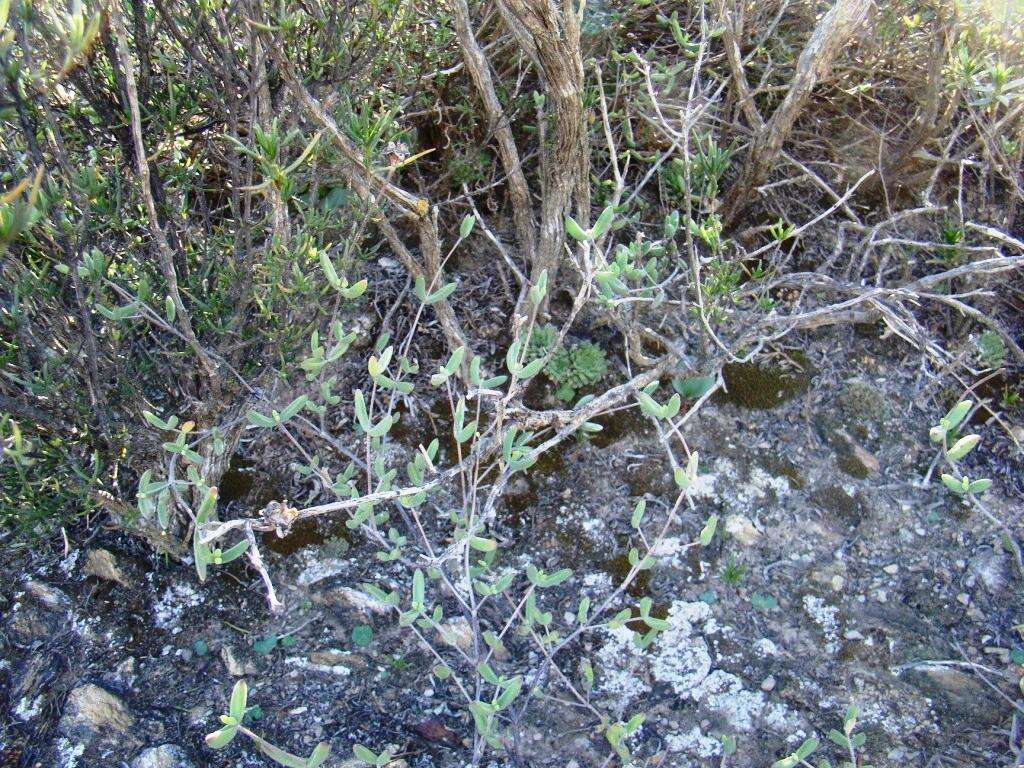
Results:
830 36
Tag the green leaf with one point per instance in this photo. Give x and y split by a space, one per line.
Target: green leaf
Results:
670 409
362 635
956 415
454 361
695 387
488 674
638 513
635 722
649 405
364 754
763 602
557 577
603 223
575 230
512 357
155 420
264 645
956 486
481 544
289 760
979 486
838 739
467 226
418 589
118 313
382 427
360 407
420 288
319 755
530 370
707 533
540 289
388 598
512 689
962 447
441 294
239 696
235 552
221 738
329 271
355 290
806 749
293 408
257 419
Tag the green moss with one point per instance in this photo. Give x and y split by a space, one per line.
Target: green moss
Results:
834 500
864 410
849 465
786 468
762 387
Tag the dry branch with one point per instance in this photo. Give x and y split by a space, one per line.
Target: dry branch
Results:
832 33
479 69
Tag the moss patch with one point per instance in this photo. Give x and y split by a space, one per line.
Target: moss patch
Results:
762 387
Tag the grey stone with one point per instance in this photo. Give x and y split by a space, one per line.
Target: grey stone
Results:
102 564
92 710
164 756
959 694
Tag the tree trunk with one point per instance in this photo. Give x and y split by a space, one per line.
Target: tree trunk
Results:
551 38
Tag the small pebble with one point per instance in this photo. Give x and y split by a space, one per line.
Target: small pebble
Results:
768 684
892 569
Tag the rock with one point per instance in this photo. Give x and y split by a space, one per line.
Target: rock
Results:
321 570
234 667
164 756
50 597
991 570
684 659
457 633
123 676
336 658
103 565
854 459
91 710
125 672
31 687
960 694
199 716
437 732
768 684
352 598
864 409
742 529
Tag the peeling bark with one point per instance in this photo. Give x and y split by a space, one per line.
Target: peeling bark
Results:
550 37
